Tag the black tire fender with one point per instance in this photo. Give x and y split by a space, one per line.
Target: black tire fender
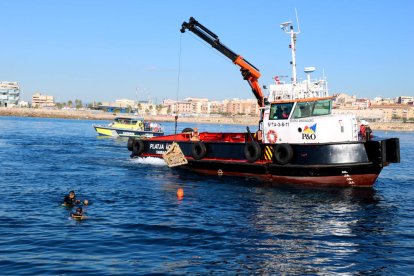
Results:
198 150
130 144
138 147
252 152
283 153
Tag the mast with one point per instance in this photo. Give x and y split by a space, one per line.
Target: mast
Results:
287 27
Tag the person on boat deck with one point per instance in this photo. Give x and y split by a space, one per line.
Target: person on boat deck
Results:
78 213
70 199
278 113
140 125
195 136
285 114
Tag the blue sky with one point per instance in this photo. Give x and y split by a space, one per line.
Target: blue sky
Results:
107 50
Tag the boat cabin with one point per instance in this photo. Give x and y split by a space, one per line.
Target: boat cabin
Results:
127 120
128 123
307 120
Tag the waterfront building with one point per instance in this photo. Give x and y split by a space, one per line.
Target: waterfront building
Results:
397 112
216 107
383 101
146 107
362 103
129 106
381 113
183 107
238 107
189 106
120 107
199 105
204 106
23 104
369 114
405 100
343 100
9 94
39 100
168 102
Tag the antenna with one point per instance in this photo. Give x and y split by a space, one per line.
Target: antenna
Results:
287 27
297 20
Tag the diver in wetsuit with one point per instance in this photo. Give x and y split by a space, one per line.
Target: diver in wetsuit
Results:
70 199
78 214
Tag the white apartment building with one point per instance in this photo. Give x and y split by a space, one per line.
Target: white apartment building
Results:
9 94
204 106
405 99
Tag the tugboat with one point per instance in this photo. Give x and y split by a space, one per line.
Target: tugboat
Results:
130 127
298 140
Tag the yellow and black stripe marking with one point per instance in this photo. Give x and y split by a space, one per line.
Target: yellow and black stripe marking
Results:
268 153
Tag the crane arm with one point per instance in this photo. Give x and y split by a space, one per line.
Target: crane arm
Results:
250 73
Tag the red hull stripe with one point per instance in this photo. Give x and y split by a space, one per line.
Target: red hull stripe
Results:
361 180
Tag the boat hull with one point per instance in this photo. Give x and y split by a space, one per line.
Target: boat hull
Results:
361 175
119 132
331 164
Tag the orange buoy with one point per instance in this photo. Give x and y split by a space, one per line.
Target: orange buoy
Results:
180 193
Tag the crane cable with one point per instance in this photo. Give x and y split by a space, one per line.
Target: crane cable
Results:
178 86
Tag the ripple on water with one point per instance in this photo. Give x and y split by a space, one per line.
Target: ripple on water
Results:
137 225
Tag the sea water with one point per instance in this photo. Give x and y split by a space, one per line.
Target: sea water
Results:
222 225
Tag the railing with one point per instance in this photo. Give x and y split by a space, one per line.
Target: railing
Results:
305 89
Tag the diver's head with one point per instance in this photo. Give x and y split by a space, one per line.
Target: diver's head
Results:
85 202
71 194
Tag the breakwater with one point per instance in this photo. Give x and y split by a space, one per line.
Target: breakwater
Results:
99 115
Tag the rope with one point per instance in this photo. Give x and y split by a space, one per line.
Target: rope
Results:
178 85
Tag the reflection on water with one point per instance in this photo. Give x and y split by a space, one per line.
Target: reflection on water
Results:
321 230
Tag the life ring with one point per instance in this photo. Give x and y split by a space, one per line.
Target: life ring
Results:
130 143
283 153
272 136
138 147
252 152
198 150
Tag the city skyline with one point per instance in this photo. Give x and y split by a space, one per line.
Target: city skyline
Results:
102 50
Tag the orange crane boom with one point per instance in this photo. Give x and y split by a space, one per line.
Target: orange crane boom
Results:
250 73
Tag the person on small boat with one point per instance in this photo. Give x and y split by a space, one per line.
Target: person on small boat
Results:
70 199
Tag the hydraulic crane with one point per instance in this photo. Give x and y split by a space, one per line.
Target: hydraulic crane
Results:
250 73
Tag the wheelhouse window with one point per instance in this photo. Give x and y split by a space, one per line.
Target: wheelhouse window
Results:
280 111
322 107
314 108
